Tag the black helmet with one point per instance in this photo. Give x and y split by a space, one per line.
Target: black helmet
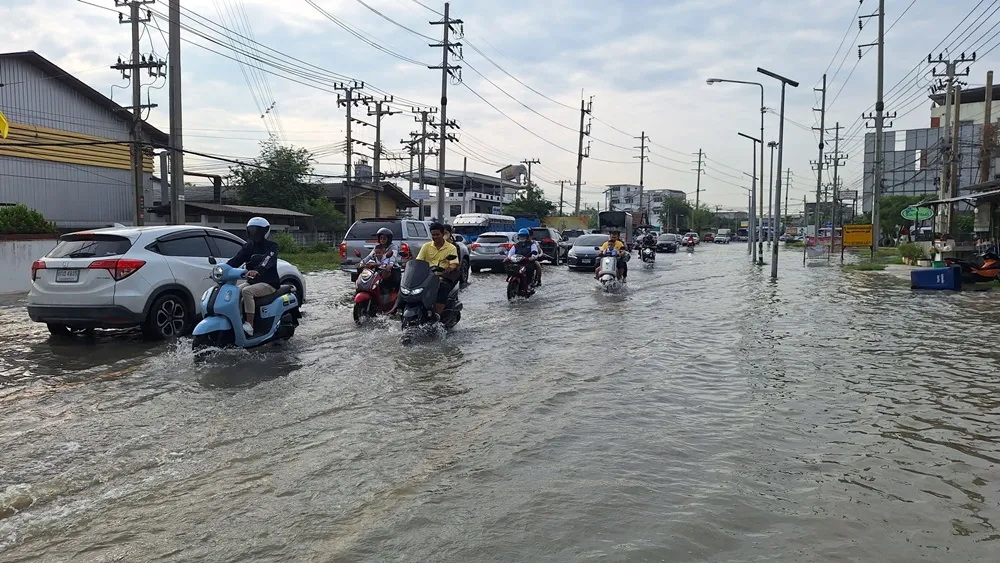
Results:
386 232
257 229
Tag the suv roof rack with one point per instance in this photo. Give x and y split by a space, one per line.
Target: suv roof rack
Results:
382 219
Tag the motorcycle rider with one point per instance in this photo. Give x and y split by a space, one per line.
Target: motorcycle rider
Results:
530 250
384 237
615 244
538 264
262 277
438 252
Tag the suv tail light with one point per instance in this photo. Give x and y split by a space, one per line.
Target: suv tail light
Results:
119 268
35 266
343 250
507 245
474 246
548 241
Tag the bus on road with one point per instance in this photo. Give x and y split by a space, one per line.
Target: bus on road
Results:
471 225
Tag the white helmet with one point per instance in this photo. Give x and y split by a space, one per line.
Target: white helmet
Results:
257 229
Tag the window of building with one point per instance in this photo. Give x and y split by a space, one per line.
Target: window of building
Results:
900 141
427 211
658 199
455 210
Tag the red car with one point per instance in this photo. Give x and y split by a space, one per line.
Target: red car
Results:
708 237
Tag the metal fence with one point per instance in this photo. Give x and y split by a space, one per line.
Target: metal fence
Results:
308 238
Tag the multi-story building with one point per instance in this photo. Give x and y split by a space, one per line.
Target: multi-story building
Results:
626 197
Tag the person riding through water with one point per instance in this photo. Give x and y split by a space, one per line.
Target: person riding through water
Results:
538 263
262 277
377 258
616 245
530 250
443 254
649 240
384 237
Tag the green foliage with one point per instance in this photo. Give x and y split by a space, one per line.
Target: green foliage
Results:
965 223
912 251
319 247
308 262
276 178
866 266
531 202
286 243
890 207
326 217
21 220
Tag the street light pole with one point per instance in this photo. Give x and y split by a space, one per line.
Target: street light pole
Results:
770 193
753 216
763 110
781 149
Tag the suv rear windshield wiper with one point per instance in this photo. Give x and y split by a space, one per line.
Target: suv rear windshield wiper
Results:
81 254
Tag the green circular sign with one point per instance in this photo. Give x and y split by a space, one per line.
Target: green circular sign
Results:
917 213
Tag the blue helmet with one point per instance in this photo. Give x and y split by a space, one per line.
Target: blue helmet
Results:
524 232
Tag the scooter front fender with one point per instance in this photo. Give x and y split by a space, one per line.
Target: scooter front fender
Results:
362 297
213 324
412 312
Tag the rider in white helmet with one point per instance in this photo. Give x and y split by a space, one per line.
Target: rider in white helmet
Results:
261 258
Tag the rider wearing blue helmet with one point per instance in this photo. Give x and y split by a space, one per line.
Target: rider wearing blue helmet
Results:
525 247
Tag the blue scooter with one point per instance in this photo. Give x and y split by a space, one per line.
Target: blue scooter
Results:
275 318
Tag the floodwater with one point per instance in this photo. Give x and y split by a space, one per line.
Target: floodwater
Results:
704 415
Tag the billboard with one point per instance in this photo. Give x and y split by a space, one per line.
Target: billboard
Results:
848 195
564 223
857 235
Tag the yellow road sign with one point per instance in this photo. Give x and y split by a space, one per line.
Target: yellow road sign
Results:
857 235
4 127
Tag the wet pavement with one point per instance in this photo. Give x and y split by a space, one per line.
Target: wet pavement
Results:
704 415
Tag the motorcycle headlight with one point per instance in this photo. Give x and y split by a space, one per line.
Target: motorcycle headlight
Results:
404 291
417 291
217 274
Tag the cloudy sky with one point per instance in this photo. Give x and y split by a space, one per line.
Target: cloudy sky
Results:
645 63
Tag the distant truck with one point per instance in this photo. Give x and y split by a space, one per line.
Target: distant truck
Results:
726 233
616 220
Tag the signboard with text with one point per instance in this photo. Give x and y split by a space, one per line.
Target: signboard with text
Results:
857 235
421 195
851 195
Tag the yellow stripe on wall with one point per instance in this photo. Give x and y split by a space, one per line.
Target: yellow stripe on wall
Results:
105 156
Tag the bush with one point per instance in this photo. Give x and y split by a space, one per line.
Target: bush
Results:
286 243
319 247
912 251
20 220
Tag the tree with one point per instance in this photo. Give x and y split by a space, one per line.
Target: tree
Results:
889 212
326 217
531 202
276 178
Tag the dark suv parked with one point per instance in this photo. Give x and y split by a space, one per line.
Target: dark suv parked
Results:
549 239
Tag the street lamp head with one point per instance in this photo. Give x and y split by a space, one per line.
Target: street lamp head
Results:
711 81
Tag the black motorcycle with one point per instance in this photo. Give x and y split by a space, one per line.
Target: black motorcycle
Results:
418 292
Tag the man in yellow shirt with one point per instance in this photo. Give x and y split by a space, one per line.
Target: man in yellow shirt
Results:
442 254
615 243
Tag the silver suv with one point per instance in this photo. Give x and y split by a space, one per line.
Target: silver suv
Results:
409 234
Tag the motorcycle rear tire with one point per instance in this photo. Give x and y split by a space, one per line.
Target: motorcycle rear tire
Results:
512 287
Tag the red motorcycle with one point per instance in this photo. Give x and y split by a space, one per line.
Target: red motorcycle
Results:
369 299
518 284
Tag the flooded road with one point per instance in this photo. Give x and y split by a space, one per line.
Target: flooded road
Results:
705 415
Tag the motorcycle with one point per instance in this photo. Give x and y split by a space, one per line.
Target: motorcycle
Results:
689 243
607 272
980 268
418 291
369 299
518 284
275 315
648 255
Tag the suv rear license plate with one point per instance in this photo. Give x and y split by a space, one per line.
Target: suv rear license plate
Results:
67 276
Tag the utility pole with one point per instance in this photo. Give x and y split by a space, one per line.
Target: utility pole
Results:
989 135
562 188
697 190
377 152
131 70
642 171
947 151
424 119
348 101
953 188
465 175
788 188
585 109
529 162
835 159
819 166
446 70
770 193
177 213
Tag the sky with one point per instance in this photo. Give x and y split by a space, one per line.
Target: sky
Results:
645 63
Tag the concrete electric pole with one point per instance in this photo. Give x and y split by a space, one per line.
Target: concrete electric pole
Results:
642 172
131 70
879 118
177 213
380 111
819 166
834 160
697 190
446 69
585 109
529 162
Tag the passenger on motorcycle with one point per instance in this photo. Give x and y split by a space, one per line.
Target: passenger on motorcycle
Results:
538 263
616 245
262 277
384 236
530 250
378 258
443 254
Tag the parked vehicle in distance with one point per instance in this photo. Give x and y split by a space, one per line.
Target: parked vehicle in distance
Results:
721 239
709 237
549 239
570 235
408 234
583 254
471 225
121 277
490 249
725 232
785 237
692 235
667 242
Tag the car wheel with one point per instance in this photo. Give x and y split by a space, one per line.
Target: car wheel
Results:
168 318
63 330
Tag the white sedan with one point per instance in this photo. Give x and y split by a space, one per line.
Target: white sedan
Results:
721 239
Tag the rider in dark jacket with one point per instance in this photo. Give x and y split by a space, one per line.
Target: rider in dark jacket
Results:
262 277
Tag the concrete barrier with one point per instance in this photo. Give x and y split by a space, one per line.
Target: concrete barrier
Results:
17 252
